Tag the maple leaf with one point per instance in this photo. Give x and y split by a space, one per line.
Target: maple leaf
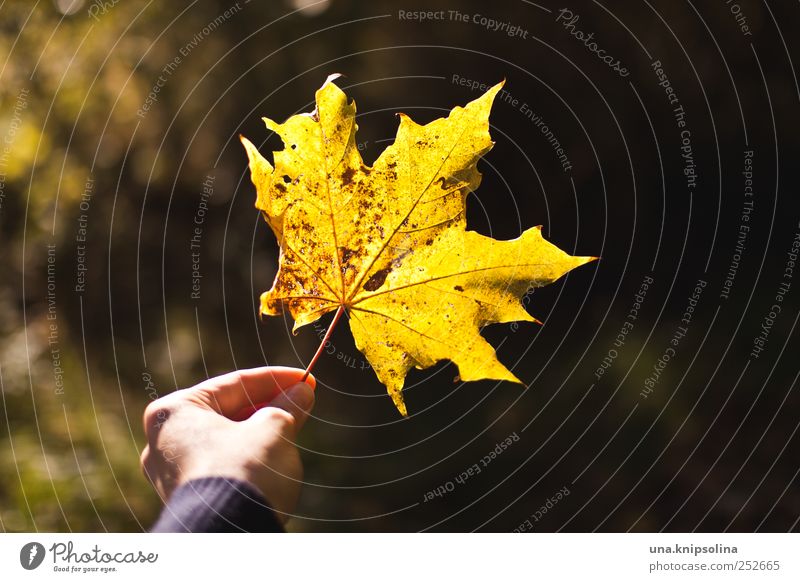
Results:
388 244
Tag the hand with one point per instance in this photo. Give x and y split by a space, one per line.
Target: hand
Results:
241 425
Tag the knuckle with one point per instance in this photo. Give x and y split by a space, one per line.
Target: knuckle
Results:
282 420
233 378
157 413
152 413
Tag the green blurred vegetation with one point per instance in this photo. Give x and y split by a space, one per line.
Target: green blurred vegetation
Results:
72 83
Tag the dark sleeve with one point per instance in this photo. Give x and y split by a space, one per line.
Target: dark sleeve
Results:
217 504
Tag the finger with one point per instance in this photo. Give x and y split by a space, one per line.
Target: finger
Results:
251 409
238 393
298 401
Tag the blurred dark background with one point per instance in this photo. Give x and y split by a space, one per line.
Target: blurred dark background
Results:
114 114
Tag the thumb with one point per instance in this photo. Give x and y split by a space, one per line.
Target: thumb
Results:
297 400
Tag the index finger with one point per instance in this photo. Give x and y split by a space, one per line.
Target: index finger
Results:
236 393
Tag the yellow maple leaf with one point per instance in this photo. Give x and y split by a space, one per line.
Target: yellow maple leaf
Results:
388 244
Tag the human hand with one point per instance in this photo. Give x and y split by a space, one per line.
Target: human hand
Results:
240 425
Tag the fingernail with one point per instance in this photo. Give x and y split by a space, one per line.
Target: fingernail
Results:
301 395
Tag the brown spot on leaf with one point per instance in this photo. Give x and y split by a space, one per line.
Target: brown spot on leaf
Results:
377 280
347 176
458 288
445 183
280 187
347 254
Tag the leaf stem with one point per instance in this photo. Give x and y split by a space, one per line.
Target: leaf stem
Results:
324 341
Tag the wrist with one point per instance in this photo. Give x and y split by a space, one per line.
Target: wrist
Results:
217 504
204 471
